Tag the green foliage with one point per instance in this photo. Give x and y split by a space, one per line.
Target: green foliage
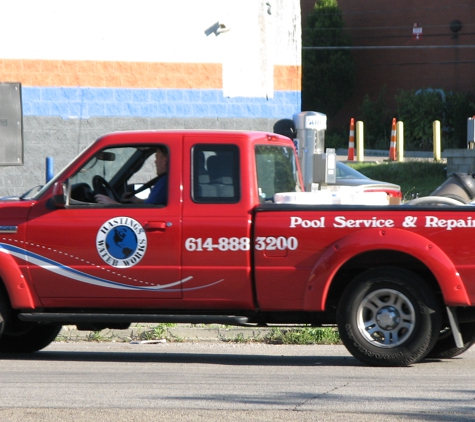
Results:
416 178
95 336
377 121
337 138
328 76
157 332
419 109
459 107
304 335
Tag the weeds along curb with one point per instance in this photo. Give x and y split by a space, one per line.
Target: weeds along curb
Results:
177 332
203 333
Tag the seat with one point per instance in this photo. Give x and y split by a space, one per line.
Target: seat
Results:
202 187
220 170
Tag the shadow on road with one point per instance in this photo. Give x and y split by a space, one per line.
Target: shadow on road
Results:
173 357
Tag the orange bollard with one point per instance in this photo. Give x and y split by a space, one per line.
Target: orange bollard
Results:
392 145
351 142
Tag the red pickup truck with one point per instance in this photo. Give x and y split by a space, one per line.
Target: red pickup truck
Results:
397 280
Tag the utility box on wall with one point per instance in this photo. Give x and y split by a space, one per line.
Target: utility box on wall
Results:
11 125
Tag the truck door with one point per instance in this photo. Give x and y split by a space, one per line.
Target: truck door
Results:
126 255
216 226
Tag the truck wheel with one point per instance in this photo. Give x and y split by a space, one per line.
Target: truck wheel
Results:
28 340
389 317
445 347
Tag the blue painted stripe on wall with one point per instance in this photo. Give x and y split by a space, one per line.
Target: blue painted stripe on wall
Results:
110 102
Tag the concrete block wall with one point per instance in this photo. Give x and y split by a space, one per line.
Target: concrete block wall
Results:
460 161
63 139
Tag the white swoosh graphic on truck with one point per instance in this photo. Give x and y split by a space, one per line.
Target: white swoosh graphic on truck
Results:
71 273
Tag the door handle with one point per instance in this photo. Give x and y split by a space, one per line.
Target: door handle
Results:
156 226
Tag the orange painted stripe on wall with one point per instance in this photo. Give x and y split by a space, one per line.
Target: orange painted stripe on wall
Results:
287 78
67 73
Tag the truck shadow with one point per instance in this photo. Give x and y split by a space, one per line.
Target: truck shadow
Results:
200 358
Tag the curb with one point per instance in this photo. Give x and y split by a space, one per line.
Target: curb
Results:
179 332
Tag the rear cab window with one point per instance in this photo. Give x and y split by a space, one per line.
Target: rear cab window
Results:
216 174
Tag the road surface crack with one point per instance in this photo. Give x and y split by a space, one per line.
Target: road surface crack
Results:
298 406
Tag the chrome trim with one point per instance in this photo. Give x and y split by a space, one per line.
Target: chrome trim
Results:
8 229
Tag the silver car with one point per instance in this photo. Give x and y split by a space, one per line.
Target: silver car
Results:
347 176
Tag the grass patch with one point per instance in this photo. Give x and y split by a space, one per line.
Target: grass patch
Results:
303 335
416 178
156 332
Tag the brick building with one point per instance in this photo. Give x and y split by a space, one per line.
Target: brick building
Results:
410 44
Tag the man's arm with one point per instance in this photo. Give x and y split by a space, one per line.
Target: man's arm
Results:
127 198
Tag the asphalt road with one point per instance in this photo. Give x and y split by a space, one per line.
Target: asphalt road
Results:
88 381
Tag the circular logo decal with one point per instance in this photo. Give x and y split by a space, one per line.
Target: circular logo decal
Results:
121 242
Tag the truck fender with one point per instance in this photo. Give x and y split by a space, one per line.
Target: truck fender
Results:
14 281
337 254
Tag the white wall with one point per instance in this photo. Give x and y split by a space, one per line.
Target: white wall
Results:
263 33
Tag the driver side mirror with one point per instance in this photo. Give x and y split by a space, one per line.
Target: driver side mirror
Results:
59 195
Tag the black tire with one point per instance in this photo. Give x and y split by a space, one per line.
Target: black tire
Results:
4 310
445 347
389 317
30 338
22 337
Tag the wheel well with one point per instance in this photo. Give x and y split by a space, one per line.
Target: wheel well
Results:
374 259
4 293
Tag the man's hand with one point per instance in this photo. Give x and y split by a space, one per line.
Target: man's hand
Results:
104 200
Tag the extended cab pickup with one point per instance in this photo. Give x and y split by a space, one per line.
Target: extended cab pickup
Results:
398 280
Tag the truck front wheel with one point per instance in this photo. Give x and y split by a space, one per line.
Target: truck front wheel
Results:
22 337
389 317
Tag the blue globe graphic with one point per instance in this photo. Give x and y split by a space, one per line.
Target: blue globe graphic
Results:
121 242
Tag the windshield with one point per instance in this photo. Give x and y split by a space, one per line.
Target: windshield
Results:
116 165
276 171
105 163
346 172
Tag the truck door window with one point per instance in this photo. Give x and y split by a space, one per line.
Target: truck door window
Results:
124 169
276 171
215 174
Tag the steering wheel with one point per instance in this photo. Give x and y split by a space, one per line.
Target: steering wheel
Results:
103 187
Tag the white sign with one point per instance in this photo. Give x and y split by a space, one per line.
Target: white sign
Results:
318 122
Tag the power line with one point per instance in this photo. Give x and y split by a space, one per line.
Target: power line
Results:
452 8
378 28
389 47
451 63
425 10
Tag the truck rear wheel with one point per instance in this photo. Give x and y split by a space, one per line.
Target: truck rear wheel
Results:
389 317
30 338
445 347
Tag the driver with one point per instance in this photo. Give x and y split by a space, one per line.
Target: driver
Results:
158 194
